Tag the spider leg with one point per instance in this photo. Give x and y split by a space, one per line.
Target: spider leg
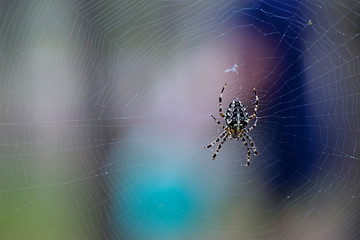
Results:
218 122
220 100
215 141
256 104
249 152
220 145
251 143
252 127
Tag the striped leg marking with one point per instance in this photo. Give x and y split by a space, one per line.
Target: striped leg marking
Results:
220 145
218 122
252 127
256 104
220 100
249 152
251 143
218 139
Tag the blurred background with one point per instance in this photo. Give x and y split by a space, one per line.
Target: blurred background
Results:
105 108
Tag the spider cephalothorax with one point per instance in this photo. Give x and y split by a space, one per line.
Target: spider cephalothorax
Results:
237 119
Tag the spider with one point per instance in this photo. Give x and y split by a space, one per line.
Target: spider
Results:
236 119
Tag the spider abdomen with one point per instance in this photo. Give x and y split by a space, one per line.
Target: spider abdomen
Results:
236 117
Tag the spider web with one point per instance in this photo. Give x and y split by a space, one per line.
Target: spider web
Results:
105 109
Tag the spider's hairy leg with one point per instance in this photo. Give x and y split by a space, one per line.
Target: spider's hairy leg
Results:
251 143
220 100
218 122
220 145
256 104
218 139
249 151
253 126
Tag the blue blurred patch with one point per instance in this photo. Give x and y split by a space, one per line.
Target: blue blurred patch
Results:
156 199
168 207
